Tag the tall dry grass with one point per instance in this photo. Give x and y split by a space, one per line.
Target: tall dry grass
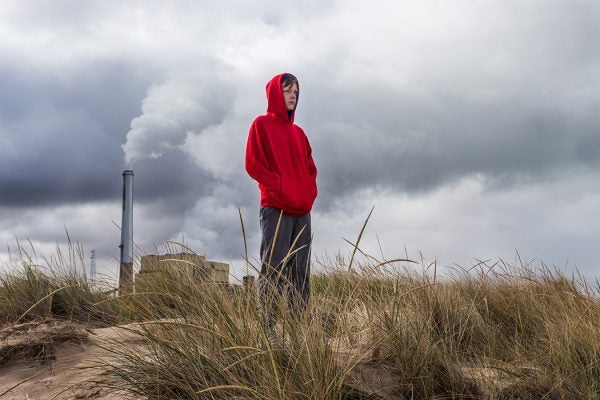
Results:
377 330
36 288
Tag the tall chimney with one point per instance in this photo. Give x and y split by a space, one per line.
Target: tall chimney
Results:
93 266
126 267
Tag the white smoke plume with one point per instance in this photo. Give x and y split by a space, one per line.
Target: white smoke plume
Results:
186 103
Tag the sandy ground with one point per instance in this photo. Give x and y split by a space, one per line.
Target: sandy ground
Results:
35 366
63 360
67 367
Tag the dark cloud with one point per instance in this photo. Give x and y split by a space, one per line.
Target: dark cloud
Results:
65 136
388 138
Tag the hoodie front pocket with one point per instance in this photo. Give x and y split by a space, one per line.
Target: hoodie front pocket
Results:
297 193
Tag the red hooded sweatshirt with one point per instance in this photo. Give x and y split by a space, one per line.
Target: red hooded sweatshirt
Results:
279 157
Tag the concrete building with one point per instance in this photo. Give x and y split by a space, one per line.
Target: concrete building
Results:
192 265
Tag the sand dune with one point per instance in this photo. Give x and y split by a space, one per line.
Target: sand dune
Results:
56 360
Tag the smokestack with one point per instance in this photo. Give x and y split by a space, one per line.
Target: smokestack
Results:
93 266
126 267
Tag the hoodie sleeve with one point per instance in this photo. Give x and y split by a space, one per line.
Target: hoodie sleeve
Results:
257 165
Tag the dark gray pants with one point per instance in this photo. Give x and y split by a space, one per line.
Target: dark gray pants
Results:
285 257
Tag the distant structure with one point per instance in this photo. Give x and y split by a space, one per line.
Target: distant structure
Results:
249 283
93 265
126 246
192 265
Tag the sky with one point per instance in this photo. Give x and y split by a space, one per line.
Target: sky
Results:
471 127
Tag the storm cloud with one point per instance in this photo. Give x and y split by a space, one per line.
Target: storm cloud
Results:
426 110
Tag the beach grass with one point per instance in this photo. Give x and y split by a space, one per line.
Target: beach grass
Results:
376 329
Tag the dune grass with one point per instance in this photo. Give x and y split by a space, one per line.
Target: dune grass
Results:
378 330
36 287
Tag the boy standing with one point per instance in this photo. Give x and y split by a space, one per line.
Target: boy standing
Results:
279 158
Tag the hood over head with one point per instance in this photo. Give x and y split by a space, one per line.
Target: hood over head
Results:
276 105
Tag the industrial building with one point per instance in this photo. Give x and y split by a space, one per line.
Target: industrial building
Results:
190 265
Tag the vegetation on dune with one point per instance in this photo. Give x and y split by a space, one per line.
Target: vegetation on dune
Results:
378 330
53 288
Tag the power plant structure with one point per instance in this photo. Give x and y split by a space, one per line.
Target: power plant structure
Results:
126 264
189 264
93 265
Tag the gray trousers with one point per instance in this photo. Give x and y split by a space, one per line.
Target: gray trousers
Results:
285 257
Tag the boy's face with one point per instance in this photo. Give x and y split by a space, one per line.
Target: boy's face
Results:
290 96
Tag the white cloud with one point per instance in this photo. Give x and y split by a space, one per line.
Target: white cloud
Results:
458 224
183 105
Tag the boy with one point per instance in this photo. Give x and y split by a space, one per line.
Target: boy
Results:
279 158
